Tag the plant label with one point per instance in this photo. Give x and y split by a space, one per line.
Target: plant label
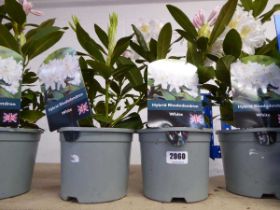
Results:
173 96
255 82
177 158
64 89
11 70
277 25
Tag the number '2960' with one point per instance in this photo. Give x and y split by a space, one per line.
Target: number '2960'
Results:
177 156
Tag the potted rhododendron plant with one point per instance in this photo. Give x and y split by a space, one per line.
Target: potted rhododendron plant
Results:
240 66
175 138
95 156
21 106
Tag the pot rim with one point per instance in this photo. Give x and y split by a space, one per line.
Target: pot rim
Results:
96 130
21 130
248 130
159 130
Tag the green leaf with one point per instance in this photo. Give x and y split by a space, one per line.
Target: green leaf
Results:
267 16
92 90
140 38
226 110
141 88
5 94
101 35
193 56
97 86
275 54
2 12
223 20
49 22
27 95
202 43
93 86
164 41
264 60
30 33
37 34
89 44
185 35
212 57
183 21
130 71
142 104
100 107
126 89
259 6
132 121
167 95
211 88
223 69
101 118
139 50
29 78
120 47
267 48
232 44
83 63
205 74
9 26
115 87
31 116
121 70
15 11
247 4
153 50
86 122
25 124
35 48
32 100
2 9
112 34
101 68
135 77
7 40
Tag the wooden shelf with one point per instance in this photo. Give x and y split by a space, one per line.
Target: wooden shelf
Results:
46 185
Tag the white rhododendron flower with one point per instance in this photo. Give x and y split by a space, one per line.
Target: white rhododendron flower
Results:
251 77
251 30
150 29
10 74
59 72
173 75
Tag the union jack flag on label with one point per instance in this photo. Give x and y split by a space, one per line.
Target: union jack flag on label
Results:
10 117
83 108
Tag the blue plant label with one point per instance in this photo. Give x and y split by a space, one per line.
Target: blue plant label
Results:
255 82
173 96
64 89
277 25
11 70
